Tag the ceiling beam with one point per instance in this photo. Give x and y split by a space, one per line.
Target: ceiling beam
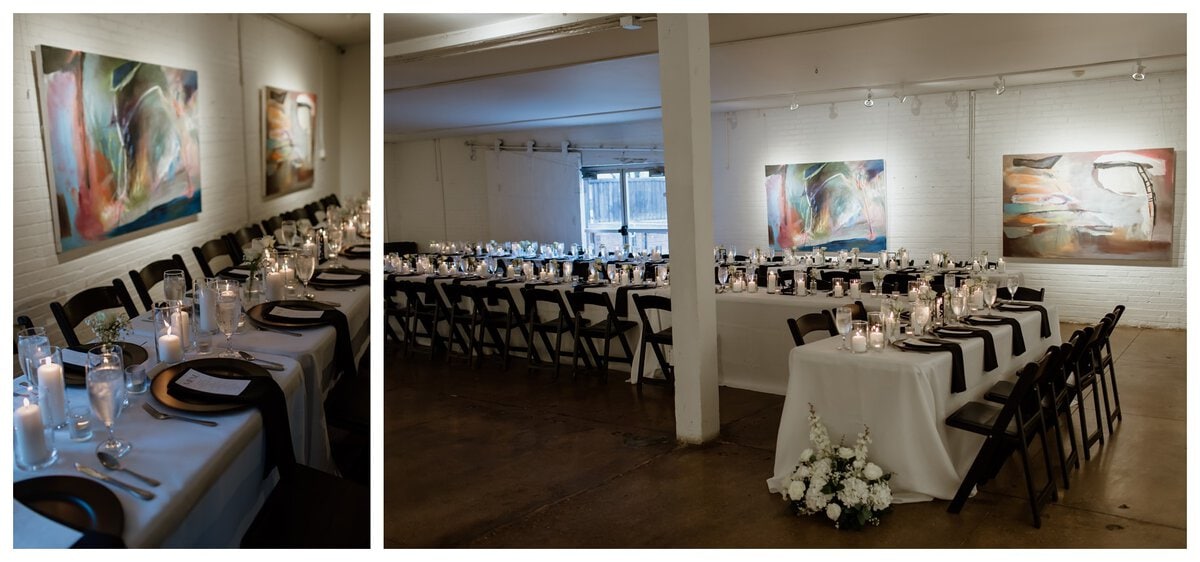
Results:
537 27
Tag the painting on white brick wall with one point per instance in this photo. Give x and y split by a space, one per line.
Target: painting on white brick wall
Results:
289 140
122 144
1103 205
838 205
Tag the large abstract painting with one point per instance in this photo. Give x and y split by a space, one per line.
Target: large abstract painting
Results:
839 205
122 144
291 119
1106 205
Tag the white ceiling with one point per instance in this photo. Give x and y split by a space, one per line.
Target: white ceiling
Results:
757 60
340 29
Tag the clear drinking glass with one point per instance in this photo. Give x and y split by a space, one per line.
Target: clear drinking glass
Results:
843 317
229 312
173 285
287 233
723 275
31 344
106 391
1012 283
989 294
333 244
306 264
958 304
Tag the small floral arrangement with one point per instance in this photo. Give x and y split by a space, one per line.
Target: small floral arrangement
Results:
838 481
108 327
254 257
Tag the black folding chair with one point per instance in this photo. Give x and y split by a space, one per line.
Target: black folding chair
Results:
611 327
82 305
811 322
1023 294
151 275
563 322
213 250
655 338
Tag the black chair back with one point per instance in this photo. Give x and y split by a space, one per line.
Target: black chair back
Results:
151 275
212 250
310 213
897 283
533 296
1023 294
811 322
272 224
79 307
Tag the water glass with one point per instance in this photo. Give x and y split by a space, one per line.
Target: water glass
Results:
135 379
287 232
173 285
31 343
79 423
106 392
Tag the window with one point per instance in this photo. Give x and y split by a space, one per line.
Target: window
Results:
625 206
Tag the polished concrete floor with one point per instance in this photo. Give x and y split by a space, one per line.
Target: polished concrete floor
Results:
496 459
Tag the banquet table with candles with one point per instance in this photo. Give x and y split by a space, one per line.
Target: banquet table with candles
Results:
212 478
904 398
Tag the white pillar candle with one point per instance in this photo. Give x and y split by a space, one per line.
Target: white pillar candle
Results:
752 286
30 436
772 282
912 295
183 326
977 297
274 285
53 393
837 289
855 289
170 350
858 343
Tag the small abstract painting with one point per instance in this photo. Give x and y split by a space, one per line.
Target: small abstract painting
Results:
291 122
122 144
1104 205
838 205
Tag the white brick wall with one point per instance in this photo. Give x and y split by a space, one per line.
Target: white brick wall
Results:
229 136
926 147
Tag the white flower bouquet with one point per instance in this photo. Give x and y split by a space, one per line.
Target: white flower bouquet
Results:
838 481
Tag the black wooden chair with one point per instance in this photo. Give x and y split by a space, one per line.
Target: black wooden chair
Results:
243 236
487 323
458 315
1023 294
1080 379
655 338
213 250
811 322
310 213
272 224
1107 364
1096 351
151 275
425 311
612 327
1006 428
897 283
85 303
393 308
563 322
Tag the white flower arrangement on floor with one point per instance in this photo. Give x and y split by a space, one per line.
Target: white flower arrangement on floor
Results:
838 481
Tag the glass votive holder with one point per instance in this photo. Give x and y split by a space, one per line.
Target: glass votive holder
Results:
135 379
33 440
858 336
79 423
875 331
839 288
172 332
855 288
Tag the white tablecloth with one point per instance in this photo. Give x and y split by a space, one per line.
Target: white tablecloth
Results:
212 477
904 397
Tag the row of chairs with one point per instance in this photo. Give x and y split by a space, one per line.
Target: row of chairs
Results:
1035 404
476 316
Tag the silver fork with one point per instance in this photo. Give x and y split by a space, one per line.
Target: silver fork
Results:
161 416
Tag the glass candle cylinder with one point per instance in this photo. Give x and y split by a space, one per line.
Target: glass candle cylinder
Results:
52 387
772 282
858 336
170 321
855 288
33 442
914 290
875 331
838 288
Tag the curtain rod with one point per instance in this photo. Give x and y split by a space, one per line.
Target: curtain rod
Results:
565 147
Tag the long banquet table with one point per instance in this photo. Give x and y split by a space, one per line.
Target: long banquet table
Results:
212 477
904 397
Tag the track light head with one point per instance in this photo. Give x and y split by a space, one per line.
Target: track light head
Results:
1139 72
794 106
869 102
999 85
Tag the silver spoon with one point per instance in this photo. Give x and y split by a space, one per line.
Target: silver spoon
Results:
110 462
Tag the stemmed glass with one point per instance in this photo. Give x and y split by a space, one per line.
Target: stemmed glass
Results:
843 318
303 227
723 275
989 295
306 265
958 304
229 312
878 276
1012 282
105 381
333 244
287 231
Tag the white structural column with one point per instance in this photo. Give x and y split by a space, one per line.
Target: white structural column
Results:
687 142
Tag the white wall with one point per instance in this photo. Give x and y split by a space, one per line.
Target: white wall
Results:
272 53
547 182
354 140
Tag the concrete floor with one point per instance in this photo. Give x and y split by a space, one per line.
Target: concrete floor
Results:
496 459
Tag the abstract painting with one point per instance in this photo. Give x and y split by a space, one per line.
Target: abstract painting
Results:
122 144
1104 205
838 205
291 120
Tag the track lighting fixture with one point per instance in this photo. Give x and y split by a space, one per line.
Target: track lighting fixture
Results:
1139 72
869 102
833 111
999 85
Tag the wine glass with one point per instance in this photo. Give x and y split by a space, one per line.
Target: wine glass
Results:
1012 282
989 295
173 285
229 312
878 276
333 244
287 231
306 264
844 317
611 271
958 304
105 381
723 275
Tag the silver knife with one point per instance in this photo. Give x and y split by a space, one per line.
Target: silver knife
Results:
144 494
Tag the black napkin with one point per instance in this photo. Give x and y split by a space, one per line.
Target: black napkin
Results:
262 393
358 251
365 278
958 377
228 273
1018 344
343 354
1026 307
989 344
